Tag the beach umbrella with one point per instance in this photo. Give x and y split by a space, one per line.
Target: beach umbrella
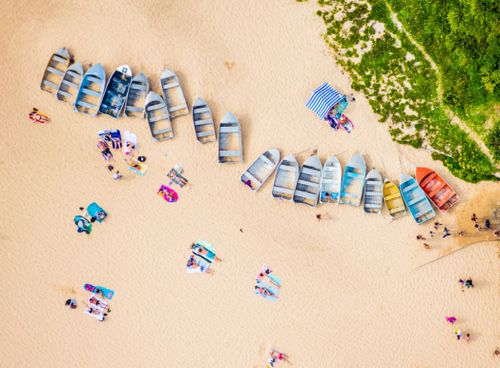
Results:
323 99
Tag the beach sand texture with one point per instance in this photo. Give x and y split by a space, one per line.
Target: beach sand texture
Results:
352 295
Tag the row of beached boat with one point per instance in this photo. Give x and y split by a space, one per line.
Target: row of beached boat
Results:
89 94
314 183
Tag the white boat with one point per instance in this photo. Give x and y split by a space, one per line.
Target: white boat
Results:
230 142
374 192
54 71
68 89
286 178
158 118
203 121
331 179
307 188
136 98
91 90
172 94
261 169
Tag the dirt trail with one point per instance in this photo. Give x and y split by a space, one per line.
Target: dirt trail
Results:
453 117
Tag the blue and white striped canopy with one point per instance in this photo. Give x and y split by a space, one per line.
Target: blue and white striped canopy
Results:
323 99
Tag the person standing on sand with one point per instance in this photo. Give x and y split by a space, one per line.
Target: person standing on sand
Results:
446 233
468 283
451 320
432 233
436 225
473 218
458 333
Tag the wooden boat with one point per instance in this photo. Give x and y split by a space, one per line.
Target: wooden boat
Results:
374 192
331 178
203 121
158 118
353 181
261 169
286 178
172 94
307 188
70 83
136 98
437 189
54 72
116 92
393 200
415 199
90 92
230 143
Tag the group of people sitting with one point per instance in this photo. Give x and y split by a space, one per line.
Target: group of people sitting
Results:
267 285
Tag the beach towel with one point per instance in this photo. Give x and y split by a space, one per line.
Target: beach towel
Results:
177 178
108 293
139 168
96 211
83 225
112 137
168 194
129 143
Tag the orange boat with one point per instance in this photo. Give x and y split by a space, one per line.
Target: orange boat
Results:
437 189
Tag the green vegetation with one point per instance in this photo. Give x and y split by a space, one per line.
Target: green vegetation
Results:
403 86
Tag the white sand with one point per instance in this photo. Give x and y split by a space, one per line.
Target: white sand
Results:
351 295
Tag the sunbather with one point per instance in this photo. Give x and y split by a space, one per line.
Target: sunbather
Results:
99 304
105 151
204 252
193 265
263 291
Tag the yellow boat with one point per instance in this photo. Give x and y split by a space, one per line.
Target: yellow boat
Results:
393 200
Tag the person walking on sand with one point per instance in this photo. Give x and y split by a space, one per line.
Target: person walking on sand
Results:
473 218
467 337
427 246
436 225
117 175
432 233
420 237
446 233
462 283
487 224
451 320
458 333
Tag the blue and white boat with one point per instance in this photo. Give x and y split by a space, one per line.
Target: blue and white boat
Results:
116 92
415 199
331 179
353 182
91 90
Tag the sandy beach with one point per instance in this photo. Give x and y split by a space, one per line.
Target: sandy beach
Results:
355 293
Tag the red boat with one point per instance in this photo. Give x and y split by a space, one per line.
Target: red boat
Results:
437 189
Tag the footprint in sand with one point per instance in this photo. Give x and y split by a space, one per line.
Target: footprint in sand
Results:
229 64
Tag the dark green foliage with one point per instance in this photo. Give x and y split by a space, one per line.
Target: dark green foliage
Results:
461 36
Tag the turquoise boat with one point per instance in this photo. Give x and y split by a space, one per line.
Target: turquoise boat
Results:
415 199
353 181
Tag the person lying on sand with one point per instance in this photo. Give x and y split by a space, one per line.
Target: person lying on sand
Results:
193 265
105 151
263 291
202 251
99 304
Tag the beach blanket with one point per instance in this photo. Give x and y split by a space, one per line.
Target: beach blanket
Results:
108 293
96 211
168 194
112 137
139 168
83 225
175 175
129 143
